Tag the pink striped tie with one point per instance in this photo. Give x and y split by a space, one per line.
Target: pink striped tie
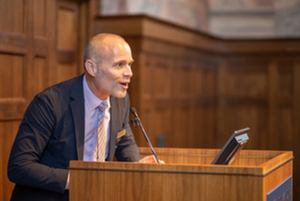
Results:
101 133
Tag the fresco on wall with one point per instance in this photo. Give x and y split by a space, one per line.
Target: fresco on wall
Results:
188 13
223 18
254 18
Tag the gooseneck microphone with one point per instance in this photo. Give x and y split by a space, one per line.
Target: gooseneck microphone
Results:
137 122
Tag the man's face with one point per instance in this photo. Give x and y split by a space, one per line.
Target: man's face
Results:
114 71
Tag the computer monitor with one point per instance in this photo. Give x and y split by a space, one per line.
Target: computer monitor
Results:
233 145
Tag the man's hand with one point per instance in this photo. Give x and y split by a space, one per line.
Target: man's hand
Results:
150 159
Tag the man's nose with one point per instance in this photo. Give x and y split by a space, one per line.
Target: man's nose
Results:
128 71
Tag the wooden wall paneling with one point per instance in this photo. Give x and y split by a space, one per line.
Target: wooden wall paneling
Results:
207 100
15 55
146 77
285 103
51 35
296 131
38 76
193 72
178 112
273 106
161 79
247 115
221 115
7 16
12 92
183 85
12 75
245 95
67 40
7 133
246 79
285 128
144 73
196 93
179 121
44 43
162 86
194 136
40 18
161 130
12 107
157 87
38 70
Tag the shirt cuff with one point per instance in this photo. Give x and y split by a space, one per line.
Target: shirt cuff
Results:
68 182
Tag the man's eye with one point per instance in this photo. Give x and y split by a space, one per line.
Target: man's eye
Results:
120 65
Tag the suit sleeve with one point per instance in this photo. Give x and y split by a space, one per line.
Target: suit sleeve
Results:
127 149
32 137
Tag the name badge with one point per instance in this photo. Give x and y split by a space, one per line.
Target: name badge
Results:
121 133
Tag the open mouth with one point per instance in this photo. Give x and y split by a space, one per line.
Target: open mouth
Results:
124 84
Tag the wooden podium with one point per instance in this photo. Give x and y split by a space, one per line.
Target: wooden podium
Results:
186 175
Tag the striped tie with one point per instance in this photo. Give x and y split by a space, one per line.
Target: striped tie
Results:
101 133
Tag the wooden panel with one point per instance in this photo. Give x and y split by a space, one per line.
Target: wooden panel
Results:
245 97
244 158
296 128
67 40
206 127
285 129
14 59
40 17
12 76
186 175
12 11
246 79
12 92
158 121
8 130
147 81
67 71
41 47
285 82
242 116
180 81
13 43
39 73
67 30
162 76
183 133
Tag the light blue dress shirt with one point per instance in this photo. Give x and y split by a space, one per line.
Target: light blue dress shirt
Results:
91 102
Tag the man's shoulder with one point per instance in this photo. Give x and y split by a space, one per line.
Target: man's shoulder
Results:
62 90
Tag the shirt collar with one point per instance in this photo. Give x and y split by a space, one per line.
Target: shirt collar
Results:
90 99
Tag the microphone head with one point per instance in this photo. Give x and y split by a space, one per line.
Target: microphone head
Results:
133 110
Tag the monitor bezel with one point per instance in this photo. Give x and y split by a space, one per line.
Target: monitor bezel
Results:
227 152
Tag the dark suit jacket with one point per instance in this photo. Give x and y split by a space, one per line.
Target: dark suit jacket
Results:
52 133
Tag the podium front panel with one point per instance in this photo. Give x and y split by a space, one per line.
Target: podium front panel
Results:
190 178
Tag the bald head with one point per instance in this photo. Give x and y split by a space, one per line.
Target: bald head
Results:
101 43
107 64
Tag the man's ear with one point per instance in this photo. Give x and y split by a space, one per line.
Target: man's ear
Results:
91 67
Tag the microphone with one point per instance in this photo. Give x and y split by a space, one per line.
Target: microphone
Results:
137 122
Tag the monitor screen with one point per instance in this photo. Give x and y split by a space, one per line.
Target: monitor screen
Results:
233 145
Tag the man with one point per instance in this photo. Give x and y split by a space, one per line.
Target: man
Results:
61 123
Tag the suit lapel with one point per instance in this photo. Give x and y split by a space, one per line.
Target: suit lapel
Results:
114 126
77 108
